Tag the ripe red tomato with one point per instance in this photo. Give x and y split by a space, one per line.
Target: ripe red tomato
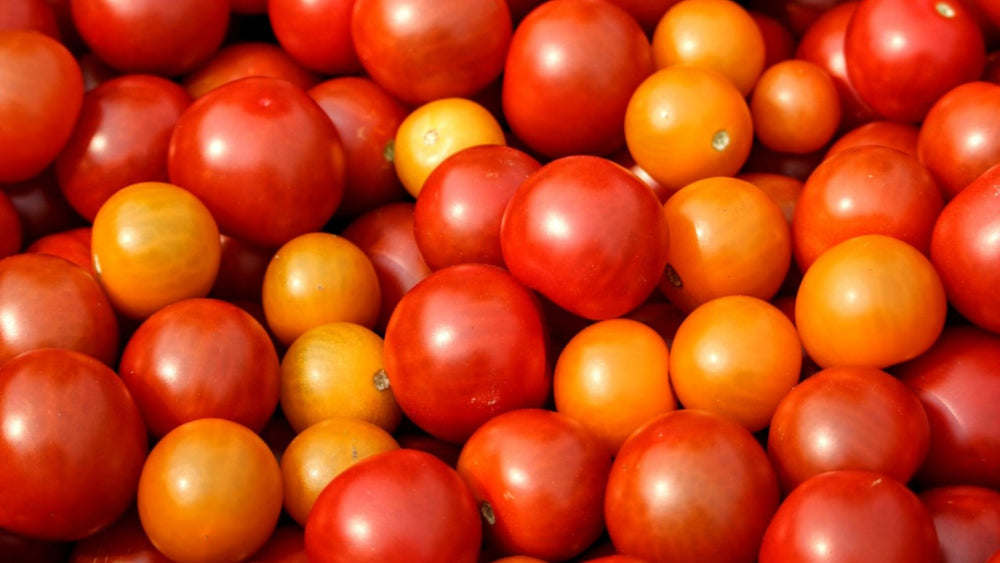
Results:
892 134
72 445
586 234
400 505
124 541
243 59
539 479
690 486
967 520
30 14
317 34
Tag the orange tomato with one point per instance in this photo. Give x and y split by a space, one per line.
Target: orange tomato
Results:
737 356
795 107
612 377
782 189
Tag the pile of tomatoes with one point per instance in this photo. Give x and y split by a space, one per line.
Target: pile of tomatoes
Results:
500 281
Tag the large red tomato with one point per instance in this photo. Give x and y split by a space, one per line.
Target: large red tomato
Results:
464 345
587 234
400 505
71 448
690 486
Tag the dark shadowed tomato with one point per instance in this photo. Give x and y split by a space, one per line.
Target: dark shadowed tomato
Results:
779 41
15 547
900 136
268 187
571 68
47 301
783 190
795 108
423 50
121 138
201 358
11 230
243 59
690 486
401 505
241 270
39 103
317 34
464 345
457 216
965 249
958 384
587 234
71 448
539 478
848 418
865 190
124 541
967 520
148 36
287 545
646 12
210 491
851 515
41 206
888 40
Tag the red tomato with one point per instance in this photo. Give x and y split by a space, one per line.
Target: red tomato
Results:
73 245
317 34
570 71
892 134
539 479
967 520
124 541
243 59
287 545
587 234
684 481
779 41
851 515
424 50
39 103
72 445
401 505
30 15
646 12
464 345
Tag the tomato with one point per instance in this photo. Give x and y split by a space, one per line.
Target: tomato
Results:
958 139
30 15
210 490
146 36
646 12
121 138
316 34
783 190
241 270
424 50
72 445
400 505
727 237
967 520
958 384
11 230
719 35
779 41
318 278
153 244
39 103
690 486
900 136
587 234
73 245
458 213
286 545
570 70
14 547
124 541
798 166
848 418
243 59
886 40
851 515
539 478
964 250
865 190
795 108
871 300
265 188
685 123
41 207
464 345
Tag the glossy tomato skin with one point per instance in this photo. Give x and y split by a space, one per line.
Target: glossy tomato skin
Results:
30 14
685 480
401 505
539 477
121 138
73 445
150 37
965 251
316 34
900 136
587 234
569 74
244 59
967 520
35 290
268 187
887 40
40 102
465 344
423 50
72 244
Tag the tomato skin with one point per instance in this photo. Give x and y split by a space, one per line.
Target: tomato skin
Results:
539 478
11 230
886 40
684 480
587 234
39 104
124 541
465 344
30 15
795 107
244 59
316 34
900 136
72 448
967 520
41 207
851 515
401 505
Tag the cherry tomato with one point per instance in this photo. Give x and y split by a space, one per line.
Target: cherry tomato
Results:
286 545
241 270
30 15
900 136
783 190
795 108
124 541
316 34
967 520
11 230
779 41
243 59
41 207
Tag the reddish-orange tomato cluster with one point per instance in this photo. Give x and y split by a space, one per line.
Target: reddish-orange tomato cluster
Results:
500 281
